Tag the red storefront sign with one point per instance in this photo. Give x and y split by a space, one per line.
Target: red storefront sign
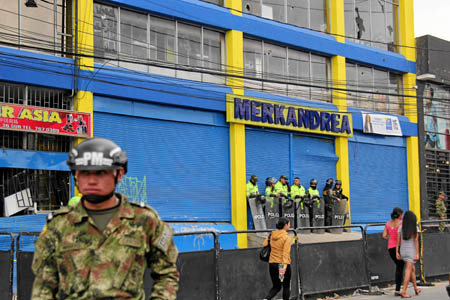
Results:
44 120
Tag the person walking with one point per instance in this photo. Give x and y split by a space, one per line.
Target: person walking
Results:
407 249
101 247
441 210
280 260
390 233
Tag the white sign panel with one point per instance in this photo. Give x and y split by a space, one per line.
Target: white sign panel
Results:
17 202
381 124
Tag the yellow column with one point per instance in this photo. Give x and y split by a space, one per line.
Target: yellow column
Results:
84 100
337 26
235 65
406 21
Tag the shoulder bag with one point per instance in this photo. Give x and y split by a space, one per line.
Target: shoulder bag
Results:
264 254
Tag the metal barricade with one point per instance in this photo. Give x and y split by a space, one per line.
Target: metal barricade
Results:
332 266
238 265
434 247
25 276
6 263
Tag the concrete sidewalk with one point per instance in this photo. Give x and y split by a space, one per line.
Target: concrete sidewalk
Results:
436 292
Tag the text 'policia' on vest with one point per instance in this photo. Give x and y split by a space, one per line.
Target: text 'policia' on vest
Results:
270 113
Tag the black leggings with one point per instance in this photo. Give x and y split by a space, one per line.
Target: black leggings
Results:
273 270
399 266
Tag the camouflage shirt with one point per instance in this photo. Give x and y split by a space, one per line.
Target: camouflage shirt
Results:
74 260
441 210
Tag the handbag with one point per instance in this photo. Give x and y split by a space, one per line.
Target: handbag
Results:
264 254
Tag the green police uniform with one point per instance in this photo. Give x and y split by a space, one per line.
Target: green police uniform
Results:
311 193
252 189
281 188
268 194
297 191
441 211
75 260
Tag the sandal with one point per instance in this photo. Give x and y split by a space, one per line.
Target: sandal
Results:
418 291
405 295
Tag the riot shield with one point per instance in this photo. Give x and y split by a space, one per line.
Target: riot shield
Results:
256 203
272 212
338 216
302 216
288 210
318 214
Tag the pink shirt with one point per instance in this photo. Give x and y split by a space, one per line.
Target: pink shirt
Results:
392 232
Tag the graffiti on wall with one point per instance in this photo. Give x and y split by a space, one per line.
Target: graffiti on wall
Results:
134 188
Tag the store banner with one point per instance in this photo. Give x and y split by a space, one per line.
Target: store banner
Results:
265 113
44 120
381 124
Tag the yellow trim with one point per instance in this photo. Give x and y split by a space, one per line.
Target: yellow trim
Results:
406 20
235 63
86 33
337 27
337 19
235 6
407 29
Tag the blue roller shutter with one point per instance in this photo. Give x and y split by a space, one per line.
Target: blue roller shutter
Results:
313 157
378 177
267 154
181 168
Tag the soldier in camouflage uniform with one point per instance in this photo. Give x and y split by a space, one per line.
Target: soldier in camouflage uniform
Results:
100 248
441 210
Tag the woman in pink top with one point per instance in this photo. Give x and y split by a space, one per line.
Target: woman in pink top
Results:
390 230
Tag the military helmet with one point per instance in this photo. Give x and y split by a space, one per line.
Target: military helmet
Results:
97 154
313 182
338 182
330 181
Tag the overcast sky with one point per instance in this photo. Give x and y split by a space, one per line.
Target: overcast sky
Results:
432 17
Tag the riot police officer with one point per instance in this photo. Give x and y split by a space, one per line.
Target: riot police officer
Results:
252 187
312 191
270 189
297 190
101 247
340 196
282 186
330 200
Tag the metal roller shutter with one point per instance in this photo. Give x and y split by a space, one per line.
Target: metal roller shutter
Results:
180 169
378 180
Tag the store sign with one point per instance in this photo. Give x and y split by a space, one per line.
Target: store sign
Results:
44 120
259 112
381 124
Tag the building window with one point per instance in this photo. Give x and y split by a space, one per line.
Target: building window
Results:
285 71
372 22
302 13
37 29
152 44
372 89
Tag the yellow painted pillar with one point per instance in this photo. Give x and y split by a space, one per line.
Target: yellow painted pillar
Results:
337 26
235 65
406 22
84 16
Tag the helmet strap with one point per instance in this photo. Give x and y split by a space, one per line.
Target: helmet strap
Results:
95 199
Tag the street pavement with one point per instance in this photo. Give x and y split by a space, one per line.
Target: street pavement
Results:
436 292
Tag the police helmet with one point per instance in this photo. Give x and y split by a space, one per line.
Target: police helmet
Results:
271 180
330 181
338 182
313 182
97 154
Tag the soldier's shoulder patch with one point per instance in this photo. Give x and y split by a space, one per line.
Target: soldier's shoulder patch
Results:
61 211
164 240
